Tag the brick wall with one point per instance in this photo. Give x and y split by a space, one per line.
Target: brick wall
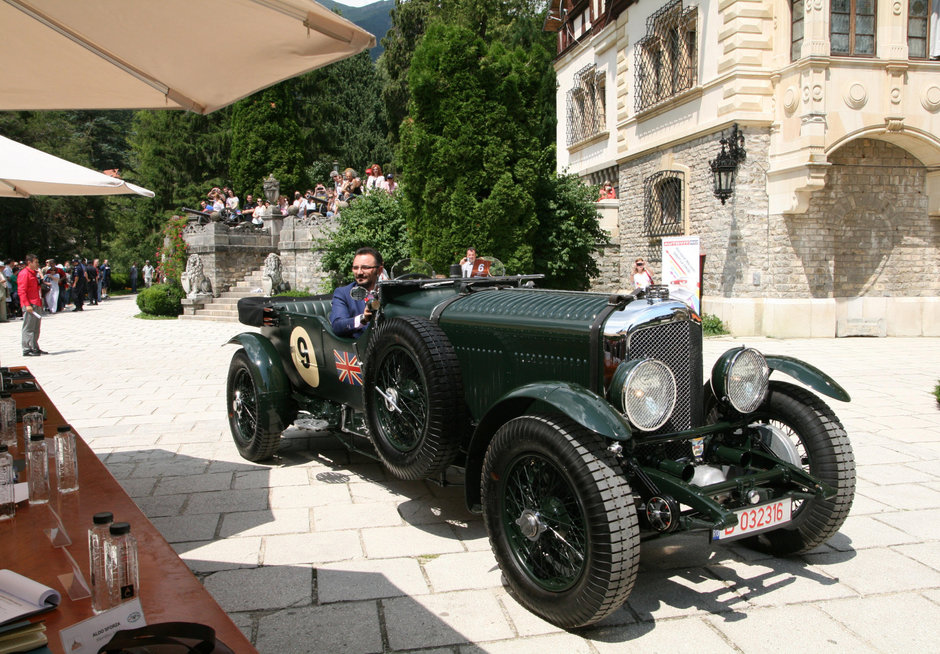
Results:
867 233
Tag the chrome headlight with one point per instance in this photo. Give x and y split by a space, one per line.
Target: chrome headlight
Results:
740 378
645 392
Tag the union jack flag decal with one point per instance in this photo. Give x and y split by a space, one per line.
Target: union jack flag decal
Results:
348 367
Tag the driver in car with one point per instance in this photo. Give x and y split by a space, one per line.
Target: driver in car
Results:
349 317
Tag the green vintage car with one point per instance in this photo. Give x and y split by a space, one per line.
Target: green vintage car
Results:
582 423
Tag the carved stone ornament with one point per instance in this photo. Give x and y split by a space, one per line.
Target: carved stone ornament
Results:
895 95
896 8
791 100
817 93
194 280
272 280
855 96
894 123
930 100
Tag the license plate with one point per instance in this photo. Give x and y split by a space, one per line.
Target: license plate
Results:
757 518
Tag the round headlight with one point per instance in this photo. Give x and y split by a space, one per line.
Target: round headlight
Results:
745 380
646 393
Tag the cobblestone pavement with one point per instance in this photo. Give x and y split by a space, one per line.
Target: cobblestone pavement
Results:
322 551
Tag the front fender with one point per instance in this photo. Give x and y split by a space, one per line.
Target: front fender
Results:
809 375
585 407
275 411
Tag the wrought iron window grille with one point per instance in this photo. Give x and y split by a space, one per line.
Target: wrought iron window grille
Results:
663 194
587 105
666 58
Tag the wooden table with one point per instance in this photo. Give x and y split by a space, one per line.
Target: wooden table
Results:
168 590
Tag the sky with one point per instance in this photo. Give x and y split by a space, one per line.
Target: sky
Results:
356 3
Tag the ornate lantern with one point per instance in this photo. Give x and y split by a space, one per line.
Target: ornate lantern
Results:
725 165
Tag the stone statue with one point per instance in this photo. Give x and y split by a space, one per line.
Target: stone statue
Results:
272 280
194 280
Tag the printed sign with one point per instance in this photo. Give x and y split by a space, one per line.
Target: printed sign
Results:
88 636
304 356
681 269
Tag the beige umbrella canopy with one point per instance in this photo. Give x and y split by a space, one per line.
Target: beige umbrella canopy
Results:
26 171
199 55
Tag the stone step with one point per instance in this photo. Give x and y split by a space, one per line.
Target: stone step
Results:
213 318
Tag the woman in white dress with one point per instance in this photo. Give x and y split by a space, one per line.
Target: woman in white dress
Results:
52 297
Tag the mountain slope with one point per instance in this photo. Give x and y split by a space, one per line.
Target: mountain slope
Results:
374 18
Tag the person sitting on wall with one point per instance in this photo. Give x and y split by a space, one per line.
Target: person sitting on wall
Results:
350 317
642 277
607 191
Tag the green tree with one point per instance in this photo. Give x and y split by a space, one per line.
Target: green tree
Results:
266 139
179 156
341 114
568 232
470 150
409 18
374 220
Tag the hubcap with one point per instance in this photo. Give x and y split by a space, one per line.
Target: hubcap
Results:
391 399
531 525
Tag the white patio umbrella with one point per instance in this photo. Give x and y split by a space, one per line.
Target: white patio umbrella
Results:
198 55
26 171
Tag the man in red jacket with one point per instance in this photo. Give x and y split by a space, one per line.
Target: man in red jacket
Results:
27 285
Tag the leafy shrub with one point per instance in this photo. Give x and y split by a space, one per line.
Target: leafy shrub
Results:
161 300
712 325
119 281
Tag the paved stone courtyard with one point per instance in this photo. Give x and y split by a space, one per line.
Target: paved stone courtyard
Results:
322 551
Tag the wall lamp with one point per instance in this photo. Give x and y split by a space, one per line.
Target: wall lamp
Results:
725 165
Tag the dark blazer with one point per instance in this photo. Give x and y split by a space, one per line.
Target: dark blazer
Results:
344 311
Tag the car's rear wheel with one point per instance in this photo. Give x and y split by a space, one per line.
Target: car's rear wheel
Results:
561 519
253 441
804 431
413 397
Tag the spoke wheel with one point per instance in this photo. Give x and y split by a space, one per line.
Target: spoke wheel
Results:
561 519
413 397
253 442
801 429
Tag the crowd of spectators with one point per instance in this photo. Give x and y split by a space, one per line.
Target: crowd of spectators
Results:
76 282
325 199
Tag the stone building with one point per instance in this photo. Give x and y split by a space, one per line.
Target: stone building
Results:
833 226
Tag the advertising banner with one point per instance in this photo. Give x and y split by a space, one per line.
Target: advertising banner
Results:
681 269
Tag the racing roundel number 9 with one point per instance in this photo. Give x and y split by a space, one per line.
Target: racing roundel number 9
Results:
304 356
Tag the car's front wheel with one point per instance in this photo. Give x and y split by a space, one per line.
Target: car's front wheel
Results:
561 519
802 430
253 441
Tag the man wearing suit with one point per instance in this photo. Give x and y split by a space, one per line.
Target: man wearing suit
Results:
350 317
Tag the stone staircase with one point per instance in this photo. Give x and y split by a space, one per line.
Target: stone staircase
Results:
224 308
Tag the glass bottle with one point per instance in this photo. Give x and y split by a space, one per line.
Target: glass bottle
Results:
121 563
7 499
97 539
66 460
37 463
7 419
32 422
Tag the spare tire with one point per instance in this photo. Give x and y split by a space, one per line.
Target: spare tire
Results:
413 397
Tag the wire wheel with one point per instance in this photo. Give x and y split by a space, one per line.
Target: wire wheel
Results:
413 397
405 399
539 501
244 410
804 431
561 519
